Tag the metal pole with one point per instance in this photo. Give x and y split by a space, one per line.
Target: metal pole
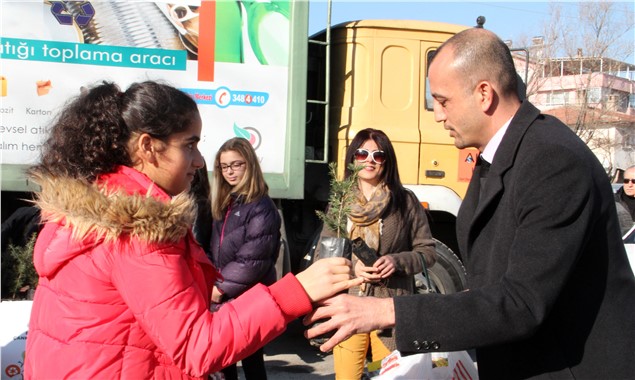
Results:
327 84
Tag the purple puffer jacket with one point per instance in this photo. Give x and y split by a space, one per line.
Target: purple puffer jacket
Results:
245 245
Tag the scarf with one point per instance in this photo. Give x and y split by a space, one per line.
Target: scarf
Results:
364 218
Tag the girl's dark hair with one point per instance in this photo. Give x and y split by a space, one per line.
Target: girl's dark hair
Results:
390 174
202 191
92 132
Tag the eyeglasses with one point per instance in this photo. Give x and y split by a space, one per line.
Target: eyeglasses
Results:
236 165
378 156
631 180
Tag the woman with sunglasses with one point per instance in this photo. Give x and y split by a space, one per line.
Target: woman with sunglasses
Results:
391 221
245 234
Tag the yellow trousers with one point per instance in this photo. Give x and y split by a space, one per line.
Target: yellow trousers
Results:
349 357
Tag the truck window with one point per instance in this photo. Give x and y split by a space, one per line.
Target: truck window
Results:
429 99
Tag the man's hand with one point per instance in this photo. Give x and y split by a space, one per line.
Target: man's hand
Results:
349 315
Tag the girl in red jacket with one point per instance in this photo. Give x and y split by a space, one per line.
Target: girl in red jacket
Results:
124 289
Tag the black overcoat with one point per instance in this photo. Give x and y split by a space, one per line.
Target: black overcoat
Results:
551 293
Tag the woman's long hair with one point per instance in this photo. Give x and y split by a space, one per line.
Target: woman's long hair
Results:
252 187
390 174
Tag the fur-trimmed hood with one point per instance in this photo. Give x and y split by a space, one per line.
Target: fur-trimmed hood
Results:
110 211
119 204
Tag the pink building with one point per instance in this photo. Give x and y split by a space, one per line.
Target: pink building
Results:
594 96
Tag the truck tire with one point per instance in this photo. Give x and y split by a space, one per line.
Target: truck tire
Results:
447 275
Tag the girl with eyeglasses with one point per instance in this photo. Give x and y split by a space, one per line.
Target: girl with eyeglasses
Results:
124 289
245 234
391 221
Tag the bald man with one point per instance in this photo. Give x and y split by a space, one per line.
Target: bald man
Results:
551 294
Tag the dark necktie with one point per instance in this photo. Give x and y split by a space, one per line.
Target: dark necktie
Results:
484 170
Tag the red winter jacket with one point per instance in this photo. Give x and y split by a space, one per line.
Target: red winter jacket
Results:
124 290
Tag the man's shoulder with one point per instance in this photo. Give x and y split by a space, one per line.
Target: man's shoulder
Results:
618 194
536 131
546 132
530 114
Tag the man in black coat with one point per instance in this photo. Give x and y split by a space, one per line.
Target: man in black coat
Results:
551 293
625 200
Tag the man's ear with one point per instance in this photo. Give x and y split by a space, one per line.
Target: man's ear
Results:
486 95
145 148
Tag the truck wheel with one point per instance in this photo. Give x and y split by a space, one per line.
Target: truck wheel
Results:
447 275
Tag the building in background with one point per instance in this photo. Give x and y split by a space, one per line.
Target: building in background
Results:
595 96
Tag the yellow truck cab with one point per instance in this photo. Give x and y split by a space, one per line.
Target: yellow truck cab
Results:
377 78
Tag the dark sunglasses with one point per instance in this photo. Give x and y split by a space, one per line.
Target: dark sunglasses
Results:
627 180
378 156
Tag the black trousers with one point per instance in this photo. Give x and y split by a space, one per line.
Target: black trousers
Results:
253 367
